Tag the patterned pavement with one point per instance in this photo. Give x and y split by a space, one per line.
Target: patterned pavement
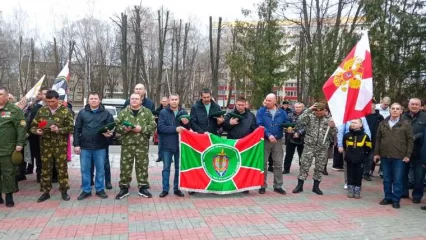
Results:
209 216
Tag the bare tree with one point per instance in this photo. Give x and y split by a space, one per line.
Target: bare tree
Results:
214 60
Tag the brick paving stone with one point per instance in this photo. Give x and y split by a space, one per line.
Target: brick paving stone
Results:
210 216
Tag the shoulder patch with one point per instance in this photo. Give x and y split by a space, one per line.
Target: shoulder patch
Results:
22 123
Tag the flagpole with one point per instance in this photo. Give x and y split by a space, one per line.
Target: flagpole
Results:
326 133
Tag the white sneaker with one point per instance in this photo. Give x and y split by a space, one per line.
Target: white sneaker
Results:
346 186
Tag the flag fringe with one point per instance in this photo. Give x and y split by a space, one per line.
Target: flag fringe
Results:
220 192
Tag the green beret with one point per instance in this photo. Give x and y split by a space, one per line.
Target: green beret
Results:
108 127
17 158
184 116
217 114
128 124
236 115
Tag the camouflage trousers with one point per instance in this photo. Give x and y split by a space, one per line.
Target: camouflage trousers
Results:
137 154
321 158
7 175
49 154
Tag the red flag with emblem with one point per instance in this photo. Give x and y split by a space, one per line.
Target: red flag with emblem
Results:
349 90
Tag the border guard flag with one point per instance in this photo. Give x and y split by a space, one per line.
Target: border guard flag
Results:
211 164
349 90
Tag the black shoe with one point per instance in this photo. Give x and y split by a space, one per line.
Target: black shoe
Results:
316 188
192 193
385 202
246 192
286 171
396 205
21 178
1 199
280 191
325 173
163 194
270 169
54 180
65 196
102 194
108 185
367 178
84 195
179 193
416 201
159 160
262 190
124 192
423 208
143 191
299 187
410 186
9 200
43 197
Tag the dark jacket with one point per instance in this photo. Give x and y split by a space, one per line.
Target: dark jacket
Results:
272 127
373 121
146 102
243 128
357 146
32 112
201 121
167 124
289 136
418 123
396 142
423 151
87 125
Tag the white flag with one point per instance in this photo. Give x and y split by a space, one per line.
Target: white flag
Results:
33 92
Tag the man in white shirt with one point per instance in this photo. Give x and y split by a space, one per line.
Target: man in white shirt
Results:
383 107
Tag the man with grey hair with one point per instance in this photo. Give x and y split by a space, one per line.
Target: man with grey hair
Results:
146 102
417 118
383 107
292 142
272 118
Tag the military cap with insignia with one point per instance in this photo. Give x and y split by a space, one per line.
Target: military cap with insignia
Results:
217 114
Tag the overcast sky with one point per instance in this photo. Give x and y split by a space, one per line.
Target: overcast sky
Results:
42 14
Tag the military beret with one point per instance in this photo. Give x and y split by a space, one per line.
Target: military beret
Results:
184 116
128 124
319 106
217 114
17 158
108 127
236 115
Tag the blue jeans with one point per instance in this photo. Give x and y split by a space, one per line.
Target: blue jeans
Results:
419 176
393 178
160 155
98 158
167 162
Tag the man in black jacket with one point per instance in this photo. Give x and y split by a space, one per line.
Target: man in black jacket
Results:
201 121
418 123
240 127
164 103
373 121
146 102
92 144
170 123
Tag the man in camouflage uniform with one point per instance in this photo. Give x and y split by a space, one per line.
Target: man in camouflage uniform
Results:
314 123
53 143
12 132
135 142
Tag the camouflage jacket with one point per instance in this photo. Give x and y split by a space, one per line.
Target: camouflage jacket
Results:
12 129
144 118
314 129
62 118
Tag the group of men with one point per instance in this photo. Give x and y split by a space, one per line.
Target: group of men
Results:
398 141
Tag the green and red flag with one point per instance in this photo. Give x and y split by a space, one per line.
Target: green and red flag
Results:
211 164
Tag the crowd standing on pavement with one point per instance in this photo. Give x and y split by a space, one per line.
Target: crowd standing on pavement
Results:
388 137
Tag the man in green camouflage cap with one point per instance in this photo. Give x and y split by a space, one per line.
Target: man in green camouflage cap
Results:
53 143
319 129
135 123
12 132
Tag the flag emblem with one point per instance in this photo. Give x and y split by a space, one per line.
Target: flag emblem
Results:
217 164
350 75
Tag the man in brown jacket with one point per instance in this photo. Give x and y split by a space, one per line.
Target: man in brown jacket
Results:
394 144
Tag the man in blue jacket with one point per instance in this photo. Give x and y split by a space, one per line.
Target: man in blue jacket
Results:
171 122
272 118
92 144
146 102
423 157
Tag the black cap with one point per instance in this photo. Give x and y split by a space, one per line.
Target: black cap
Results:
286 102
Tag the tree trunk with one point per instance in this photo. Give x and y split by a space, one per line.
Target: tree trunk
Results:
123 55
162 33
178 39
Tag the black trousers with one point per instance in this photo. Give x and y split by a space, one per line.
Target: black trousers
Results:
290 149
337 158
35 154
355 172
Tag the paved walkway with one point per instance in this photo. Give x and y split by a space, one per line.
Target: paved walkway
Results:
208 216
